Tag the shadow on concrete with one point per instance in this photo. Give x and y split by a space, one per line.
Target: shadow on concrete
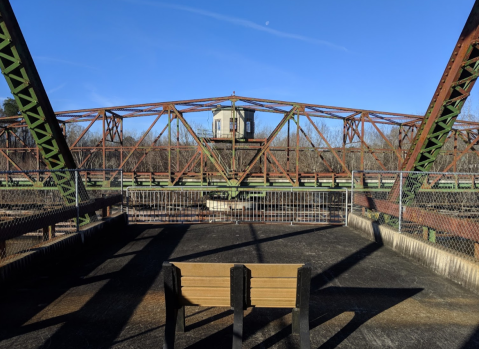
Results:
101 319
35 292
473 341
365 303
247 244
332 301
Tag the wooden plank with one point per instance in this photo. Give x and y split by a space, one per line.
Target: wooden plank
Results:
206 301
204 269
273 282
205 292
273 303
223 269
193 281
289 293
273 270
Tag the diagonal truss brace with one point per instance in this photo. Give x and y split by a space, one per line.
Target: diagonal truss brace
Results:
26 86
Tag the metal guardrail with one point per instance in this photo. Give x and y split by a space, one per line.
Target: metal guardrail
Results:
197 205
30 217
446 218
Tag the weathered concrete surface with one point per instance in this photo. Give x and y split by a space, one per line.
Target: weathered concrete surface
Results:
59 247
458 269
363 295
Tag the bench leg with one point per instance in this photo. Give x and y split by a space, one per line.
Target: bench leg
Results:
180 319
171 297
237 274
302 304
295 324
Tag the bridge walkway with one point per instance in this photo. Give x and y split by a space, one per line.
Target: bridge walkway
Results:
363 295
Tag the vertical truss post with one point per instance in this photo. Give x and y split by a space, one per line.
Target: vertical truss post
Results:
400 147
344 140
169 147
26 86
103 145
233 146
297 152
177 144
287 148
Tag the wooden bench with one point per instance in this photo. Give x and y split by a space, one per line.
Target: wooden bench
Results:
239 286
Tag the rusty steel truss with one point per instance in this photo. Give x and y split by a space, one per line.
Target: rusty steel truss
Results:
309 145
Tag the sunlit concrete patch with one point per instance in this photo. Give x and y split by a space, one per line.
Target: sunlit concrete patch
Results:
73 300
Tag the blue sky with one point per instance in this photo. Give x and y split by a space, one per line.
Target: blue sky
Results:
371 54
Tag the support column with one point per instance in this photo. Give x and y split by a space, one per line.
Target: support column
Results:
400 148
49 232
177 145
237 290
169 147
297 152
287 149
233 150
104 145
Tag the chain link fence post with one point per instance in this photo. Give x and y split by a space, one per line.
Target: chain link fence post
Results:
121 190
400 201
352 191
346 207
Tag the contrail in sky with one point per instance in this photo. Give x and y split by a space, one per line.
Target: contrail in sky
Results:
242 22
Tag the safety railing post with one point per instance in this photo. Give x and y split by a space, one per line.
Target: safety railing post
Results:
400 201
127 203
346 208
76 201
352 190
121 190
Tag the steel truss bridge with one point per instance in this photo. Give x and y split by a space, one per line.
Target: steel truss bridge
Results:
300 152
306 156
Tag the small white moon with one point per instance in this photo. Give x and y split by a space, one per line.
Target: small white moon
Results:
267 22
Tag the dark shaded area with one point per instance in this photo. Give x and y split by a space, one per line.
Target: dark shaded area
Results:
473 341
113 294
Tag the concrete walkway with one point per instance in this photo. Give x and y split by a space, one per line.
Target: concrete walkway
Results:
363 295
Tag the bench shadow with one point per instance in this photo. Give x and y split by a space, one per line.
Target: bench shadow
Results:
473 341
365 303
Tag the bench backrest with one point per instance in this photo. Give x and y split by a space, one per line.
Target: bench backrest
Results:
208 284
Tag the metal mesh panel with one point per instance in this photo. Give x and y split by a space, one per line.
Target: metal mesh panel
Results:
195 206
35 212
443 212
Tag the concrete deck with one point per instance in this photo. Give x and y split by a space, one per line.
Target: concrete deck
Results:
363 295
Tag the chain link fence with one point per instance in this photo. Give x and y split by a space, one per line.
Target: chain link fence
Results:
202 205
439 208
37 207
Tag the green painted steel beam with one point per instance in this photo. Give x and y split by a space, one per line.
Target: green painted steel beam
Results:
22 77
454 88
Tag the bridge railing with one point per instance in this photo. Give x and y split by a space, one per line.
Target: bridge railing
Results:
39 212
214 205
444 212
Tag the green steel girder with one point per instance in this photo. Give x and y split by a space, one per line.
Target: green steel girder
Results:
454 87
22 77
